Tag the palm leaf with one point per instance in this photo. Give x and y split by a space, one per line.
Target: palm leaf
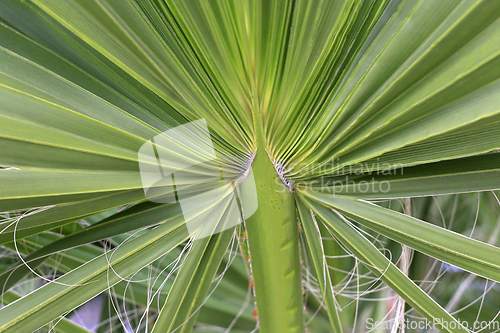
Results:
338 101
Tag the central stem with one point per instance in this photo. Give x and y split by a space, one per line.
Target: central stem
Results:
273 240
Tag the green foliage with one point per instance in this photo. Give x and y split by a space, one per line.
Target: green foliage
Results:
342 108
